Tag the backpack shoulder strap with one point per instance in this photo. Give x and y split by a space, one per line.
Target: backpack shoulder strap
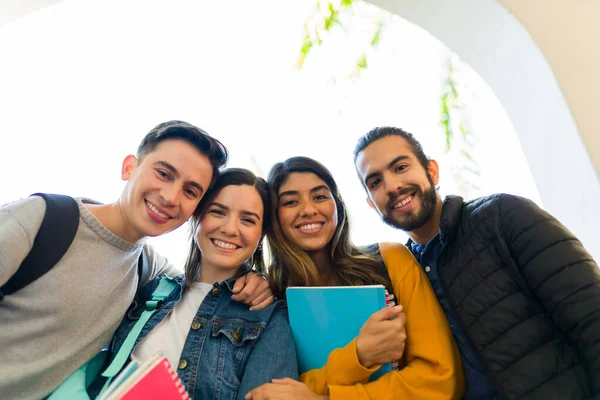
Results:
375 251
52 241
163 290
396 255
143 268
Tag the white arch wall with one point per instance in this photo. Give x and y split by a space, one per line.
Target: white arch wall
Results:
13 9
567 33
496 45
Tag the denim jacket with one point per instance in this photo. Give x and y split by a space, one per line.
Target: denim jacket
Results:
229 349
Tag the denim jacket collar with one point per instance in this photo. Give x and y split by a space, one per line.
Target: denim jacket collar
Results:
226 284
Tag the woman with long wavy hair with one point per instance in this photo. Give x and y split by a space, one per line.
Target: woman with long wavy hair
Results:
309 243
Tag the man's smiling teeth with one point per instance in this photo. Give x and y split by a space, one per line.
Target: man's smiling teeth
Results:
403 202
155 210
310 226
224 245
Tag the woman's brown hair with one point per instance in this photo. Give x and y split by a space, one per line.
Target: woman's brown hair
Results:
292 266
228 177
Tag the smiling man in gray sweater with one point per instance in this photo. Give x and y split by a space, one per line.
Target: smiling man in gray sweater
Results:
58 322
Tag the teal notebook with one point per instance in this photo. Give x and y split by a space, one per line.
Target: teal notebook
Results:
329 317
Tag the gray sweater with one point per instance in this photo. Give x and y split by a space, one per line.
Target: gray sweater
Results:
57 323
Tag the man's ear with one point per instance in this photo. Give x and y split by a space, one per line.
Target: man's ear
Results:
434 171
370 203
129 164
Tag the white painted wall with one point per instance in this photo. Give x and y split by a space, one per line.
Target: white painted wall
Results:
567 33
10 10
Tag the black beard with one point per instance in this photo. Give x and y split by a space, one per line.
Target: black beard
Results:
413 220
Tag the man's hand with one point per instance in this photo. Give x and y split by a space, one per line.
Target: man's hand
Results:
285 388
382 337
254 290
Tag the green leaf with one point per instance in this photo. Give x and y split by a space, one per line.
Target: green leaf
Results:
307 45
361 63
453 88
449 135
377 35
466 155
445 120
331 20
319 39
463 129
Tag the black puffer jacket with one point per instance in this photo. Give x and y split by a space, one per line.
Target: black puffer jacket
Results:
528 295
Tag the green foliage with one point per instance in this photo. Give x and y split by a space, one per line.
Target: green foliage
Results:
454 117
450 104
331 19
326 17
307 44
445 120
377 35
361 63
459 139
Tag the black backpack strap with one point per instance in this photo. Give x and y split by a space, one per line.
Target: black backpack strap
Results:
143 268
373 250
52 241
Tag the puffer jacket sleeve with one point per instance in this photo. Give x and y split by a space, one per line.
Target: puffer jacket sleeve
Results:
559 272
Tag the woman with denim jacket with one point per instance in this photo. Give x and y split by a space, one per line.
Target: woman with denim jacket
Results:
310 246
220 348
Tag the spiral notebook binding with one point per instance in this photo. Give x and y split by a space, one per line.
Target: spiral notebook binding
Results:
390 302
389 299
178 384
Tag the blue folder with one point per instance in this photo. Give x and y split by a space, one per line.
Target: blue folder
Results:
329 317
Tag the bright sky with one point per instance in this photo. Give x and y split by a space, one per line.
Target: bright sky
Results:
81 83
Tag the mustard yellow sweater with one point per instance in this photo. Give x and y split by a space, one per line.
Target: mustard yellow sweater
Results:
432 367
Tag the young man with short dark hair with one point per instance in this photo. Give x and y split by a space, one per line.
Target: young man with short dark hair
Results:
58 322
521 293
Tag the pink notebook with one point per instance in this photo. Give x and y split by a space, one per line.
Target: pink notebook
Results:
152 380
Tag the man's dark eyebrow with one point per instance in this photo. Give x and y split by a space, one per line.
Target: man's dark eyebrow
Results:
174 171
245 212
292 192
390 165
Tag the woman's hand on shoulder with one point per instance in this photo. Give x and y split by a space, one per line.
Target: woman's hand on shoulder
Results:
254 290
285 388
381 339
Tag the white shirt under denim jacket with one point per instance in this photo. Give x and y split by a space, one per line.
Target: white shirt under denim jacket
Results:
229 349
